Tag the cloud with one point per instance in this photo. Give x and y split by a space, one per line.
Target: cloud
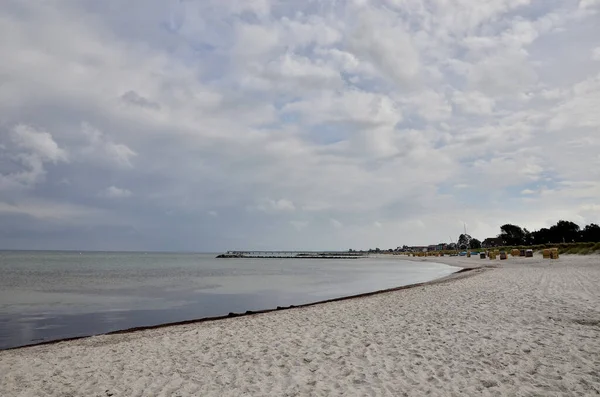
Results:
473 102
507 72
576 108
273 206
30 150
39 143
287 120
378 38
102 148
589 3
353 107
114 192
134 98
596 54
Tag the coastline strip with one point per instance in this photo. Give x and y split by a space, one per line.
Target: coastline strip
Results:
459 274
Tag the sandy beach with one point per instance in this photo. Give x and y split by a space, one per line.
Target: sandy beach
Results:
528 327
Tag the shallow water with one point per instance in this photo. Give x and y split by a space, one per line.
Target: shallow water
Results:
53 295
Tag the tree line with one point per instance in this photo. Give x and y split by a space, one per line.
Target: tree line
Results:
514 235
562 232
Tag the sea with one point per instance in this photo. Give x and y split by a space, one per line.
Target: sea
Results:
52 295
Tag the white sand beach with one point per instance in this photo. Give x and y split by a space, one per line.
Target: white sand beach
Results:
530 327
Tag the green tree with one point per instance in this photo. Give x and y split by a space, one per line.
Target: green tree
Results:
512 234
565 231
542 236
464 241
528 238
591 233
475 243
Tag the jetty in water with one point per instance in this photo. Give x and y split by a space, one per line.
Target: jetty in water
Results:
292 255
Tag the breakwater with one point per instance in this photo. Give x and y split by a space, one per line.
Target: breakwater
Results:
291 255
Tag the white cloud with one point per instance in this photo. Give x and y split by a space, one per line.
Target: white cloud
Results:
293 73
313 30
381 40
275 206
39 143
589 3
114 192
505 73
284 205
578 109
551 94
431 105
254 41
103 148
596 54
511 169
322 116
31 149
473 102
349 107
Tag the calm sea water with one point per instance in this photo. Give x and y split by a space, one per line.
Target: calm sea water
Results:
53 295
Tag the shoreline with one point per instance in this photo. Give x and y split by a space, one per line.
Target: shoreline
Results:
529 327
454 276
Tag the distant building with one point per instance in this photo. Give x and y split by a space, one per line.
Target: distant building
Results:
428 248
418 248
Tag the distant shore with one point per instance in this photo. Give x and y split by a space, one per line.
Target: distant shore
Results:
527 326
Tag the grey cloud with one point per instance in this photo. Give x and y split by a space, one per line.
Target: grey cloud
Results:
134 98
336 129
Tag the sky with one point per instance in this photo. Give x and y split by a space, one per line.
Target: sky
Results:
221 125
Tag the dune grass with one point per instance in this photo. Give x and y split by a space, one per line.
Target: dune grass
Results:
563 248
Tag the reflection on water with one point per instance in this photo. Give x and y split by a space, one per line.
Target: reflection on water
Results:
54 295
